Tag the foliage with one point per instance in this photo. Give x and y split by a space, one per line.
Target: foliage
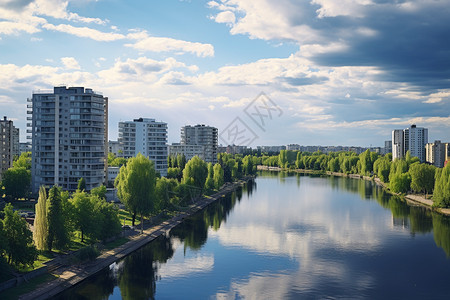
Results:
99 191
175 173
23 161
114 161
136 185
382 167
165 191
58 235
441 194
195 173
84 214
107 217
422 177
81 184
16 182
40 234
218 176
282 159
87 253
20 248
209 183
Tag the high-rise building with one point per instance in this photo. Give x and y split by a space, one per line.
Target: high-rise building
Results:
145 136
114 147
387 147
69 138
398 144
415 140
201 135
412 139
436 153
9 144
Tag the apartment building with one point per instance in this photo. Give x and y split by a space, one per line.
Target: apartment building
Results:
9 144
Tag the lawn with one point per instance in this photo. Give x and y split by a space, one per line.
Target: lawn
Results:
125 218
42 258
15 292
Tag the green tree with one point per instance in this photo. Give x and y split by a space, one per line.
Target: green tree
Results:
107 216
441 194
99 191
218 176
165 190
118 162
422 177
209 183
84 214
40 234
181 161
174 173
247 165
16 182
81 184
195 173
23 161
21 250
58 236
136 186
282 159
382 167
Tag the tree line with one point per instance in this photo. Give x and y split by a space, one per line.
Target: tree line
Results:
401 175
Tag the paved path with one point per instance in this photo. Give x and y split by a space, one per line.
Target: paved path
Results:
71 275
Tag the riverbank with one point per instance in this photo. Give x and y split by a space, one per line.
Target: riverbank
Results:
409 198
74 274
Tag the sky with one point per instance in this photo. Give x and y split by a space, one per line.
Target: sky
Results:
315 72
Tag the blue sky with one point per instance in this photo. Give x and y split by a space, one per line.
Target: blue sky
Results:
341 72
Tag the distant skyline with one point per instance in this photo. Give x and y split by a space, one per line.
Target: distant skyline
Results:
341 72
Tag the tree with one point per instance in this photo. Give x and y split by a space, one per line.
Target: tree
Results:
23 161
84 214
181 161
164 189
99 191
422 177
218 176
19 239
40 234
195 173
282 159
81 184
209 184
107 217
58 235
247 165
136 186
441 194
382 167
16 182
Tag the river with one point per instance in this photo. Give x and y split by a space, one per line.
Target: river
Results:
290 236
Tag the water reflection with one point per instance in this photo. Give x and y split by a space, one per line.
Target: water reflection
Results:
295 236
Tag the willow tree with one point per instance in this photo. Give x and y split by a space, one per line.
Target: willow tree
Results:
40 234
218 176
136 186
58 235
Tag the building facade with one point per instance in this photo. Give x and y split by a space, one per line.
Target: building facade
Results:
114 147
398 144
387 147
69 138
201 135
415 140
436 153
145 136
9 144
189 151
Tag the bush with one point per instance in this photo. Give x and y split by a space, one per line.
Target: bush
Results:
88 253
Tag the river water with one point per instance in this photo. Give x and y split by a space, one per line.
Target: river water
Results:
290 236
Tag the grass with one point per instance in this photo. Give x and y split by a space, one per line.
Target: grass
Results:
42 258
15 292
125 215
116 243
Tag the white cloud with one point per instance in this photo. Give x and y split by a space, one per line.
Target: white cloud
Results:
165 44
9 28
438 97
225 17
85 32
70 63
331 8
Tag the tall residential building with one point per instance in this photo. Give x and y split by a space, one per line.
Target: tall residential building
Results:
398 144
436 153
145 136
387 147
412 139
69 138
201 135
9 144
114 147
415 140
189 151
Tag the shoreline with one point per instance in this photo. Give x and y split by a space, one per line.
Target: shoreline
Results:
71 275
411 199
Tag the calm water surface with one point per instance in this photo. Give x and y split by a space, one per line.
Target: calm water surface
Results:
290 236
